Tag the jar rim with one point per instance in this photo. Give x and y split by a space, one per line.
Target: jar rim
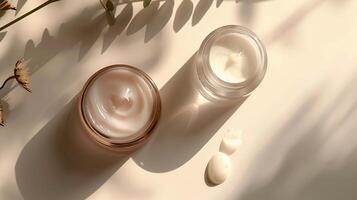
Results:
145 132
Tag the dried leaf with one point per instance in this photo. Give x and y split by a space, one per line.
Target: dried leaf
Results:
6 5
146 3
109 5
21 74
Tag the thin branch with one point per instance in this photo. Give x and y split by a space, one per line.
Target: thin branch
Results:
27 14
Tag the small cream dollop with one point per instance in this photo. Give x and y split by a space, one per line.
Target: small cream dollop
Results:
219 168
231 141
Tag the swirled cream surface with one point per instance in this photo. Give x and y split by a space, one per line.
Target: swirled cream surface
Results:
119 103
234 58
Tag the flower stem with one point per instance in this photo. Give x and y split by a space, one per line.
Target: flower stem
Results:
11 77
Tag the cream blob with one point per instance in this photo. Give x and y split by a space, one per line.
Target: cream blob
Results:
219 168
231 141
234 58
118 104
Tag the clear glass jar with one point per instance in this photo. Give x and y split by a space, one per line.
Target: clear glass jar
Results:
119 107
231 63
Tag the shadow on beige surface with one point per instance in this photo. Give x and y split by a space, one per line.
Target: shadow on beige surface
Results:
310 159
289 24
81 31
188 121
183 14
14 21
87 27
2 35
201 9
186 9
247 9
69 34
61 162
119 24
19 5
155 17
2 13
159 20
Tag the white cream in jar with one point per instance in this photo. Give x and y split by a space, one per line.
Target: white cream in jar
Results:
233 58
120 104
231 63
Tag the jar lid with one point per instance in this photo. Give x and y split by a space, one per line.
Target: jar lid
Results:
121 105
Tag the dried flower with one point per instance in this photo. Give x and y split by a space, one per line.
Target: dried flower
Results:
2 117
6 5
21 75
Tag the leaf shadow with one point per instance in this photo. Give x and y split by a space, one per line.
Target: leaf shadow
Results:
2 13
61 162
20 4
120 23
83 29
2 35
247 9
74 32
183 14
142 18
188 121
310 159
293 20
218 3
159 20
201 9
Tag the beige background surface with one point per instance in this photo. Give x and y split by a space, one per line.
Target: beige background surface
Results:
299 125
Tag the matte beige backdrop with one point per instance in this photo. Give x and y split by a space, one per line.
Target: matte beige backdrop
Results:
299 124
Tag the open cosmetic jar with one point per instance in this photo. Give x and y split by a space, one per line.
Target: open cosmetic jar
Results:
231 63
119 107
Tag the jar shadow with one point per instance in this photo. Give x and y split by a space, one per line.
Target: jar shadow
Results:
187 122
60 162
